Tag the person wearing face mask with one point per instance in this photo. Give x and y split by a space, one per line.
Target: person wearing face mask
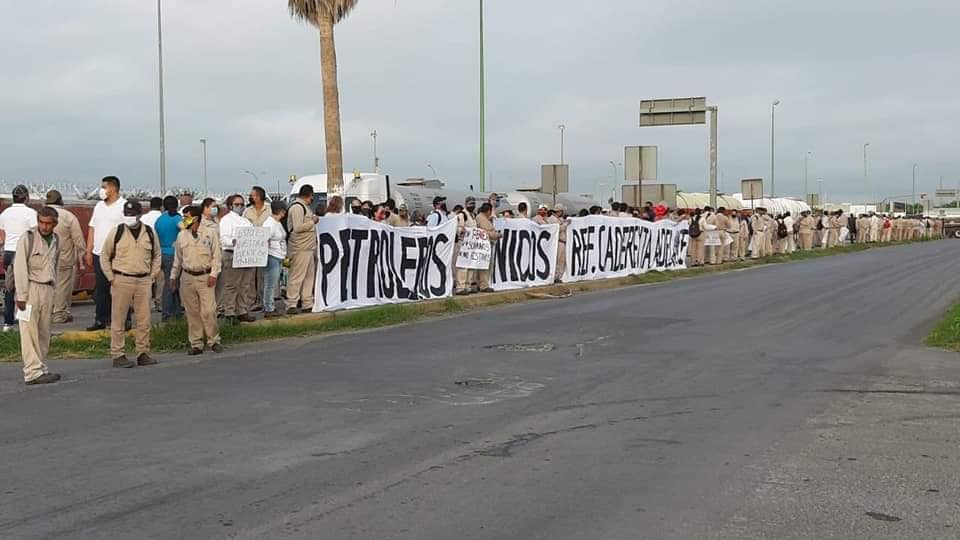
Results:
167 228
196 267
256 213
210 213
236 281
130 261
107 215
302 251
355 206
541 217
465 277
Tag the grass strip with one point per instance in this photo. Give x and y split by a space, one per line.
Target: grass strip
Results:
172 336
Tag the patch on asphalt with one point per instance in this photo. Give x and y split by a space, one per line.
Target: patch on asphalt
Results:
522 347
475 382
883 517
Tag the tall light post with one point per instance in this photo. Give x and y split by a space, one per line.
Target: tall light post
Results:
163 147
562 128
865 177
429 166
256 178
615 170
820 191
773 146
203 153
806 172
483 133
376 158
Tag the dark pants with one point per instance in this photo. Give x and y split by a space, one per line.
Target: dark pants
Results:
171 299
101 294
9 298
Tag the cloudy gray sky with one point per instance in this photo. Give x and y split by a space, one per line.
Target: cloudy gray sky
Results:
79 99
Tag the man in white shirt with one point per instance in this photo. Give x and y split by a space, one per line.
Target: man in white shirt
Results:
236 281
186 201
439 214
156 208
14 221
107 216
276 253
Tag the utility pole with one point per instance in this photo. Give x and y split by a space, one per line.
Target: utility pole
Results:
483 133
865 177
163 148
203 152
806 175
916 173
713 155
773 146
376 159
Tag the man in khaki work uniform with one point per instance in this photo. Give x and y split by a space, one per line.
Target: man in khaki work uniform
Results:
130 261
485 222
465 276
197 263
560 219
256 213
302 251
807 224
35 276
72 245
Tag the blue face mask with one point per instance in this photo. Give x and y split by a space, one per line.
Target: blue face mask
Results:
238 210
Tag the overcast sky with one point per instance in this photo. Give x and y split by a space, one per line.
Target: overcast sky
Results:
79 96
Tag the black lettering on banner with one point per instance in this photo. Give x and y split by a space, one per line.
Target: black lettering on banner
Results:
372 255
609 257
423 256
634 255
358 236
577 268
619 243
406 263
646 250
500 256
385 264
440 264
344 263
524 241
547 271
600 260
329 253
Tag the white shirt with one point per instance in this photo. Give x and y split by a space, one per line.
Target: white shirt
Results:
228 226
15 221
436 218
277 246
150 218
105 220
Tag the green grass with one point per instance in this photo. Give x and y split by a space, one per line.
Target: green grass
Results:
946 335
172 336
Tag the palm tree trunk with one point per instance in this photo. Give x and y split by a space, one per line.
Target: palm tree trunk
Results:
331 106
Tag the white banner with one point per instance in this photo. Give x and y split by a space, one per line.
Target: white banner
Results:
474 249
251 248
607 247
364 263
525 255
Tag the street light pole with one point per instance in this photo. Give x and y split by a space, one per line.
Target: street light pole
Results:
429 166
203 152
806 171
376 159
773 141
255 177
916 173
561 127
483 135
865 177
163 149
820 196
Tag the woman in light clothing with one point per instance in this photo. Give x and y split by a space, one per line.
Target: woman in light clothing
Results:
276 253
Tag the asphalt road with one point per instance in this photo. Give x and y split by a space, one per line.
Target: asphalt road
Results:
648 412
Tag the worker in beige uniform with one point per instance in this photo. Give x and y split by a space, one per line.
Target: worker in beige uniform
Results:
197 262
34 279
833 236
465 220
485 222
256 213
733 234
302 251
560 219
72 245
807 225
743 240
758 247
130 261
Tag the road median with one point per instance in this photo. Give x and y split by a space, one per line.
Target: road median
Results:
172 336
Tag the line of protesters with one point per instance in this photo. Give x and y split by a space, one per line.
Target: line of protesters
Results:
181 255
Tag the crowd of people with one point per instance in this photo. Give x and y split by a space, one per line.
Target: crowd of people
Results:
178 256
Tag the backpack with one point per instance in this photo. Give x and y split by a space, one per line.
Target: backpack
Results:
286 216
819 224
121 229
796 226
694 230
9 277
782 229
886 224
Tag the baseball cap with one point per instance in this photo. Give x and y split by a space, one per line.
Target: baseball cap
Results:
470 199
438 200
558 208
132 208
54 197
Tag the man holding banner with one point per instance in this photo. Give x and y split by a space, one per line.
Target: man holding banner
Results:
236 280
485 223
466 224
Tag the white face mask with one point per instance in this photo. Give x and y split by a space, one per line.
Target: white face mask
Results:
238 211
131 221
102 194
213 211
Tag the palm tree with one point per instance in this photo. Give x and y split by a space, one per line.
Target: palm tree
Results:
324 14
